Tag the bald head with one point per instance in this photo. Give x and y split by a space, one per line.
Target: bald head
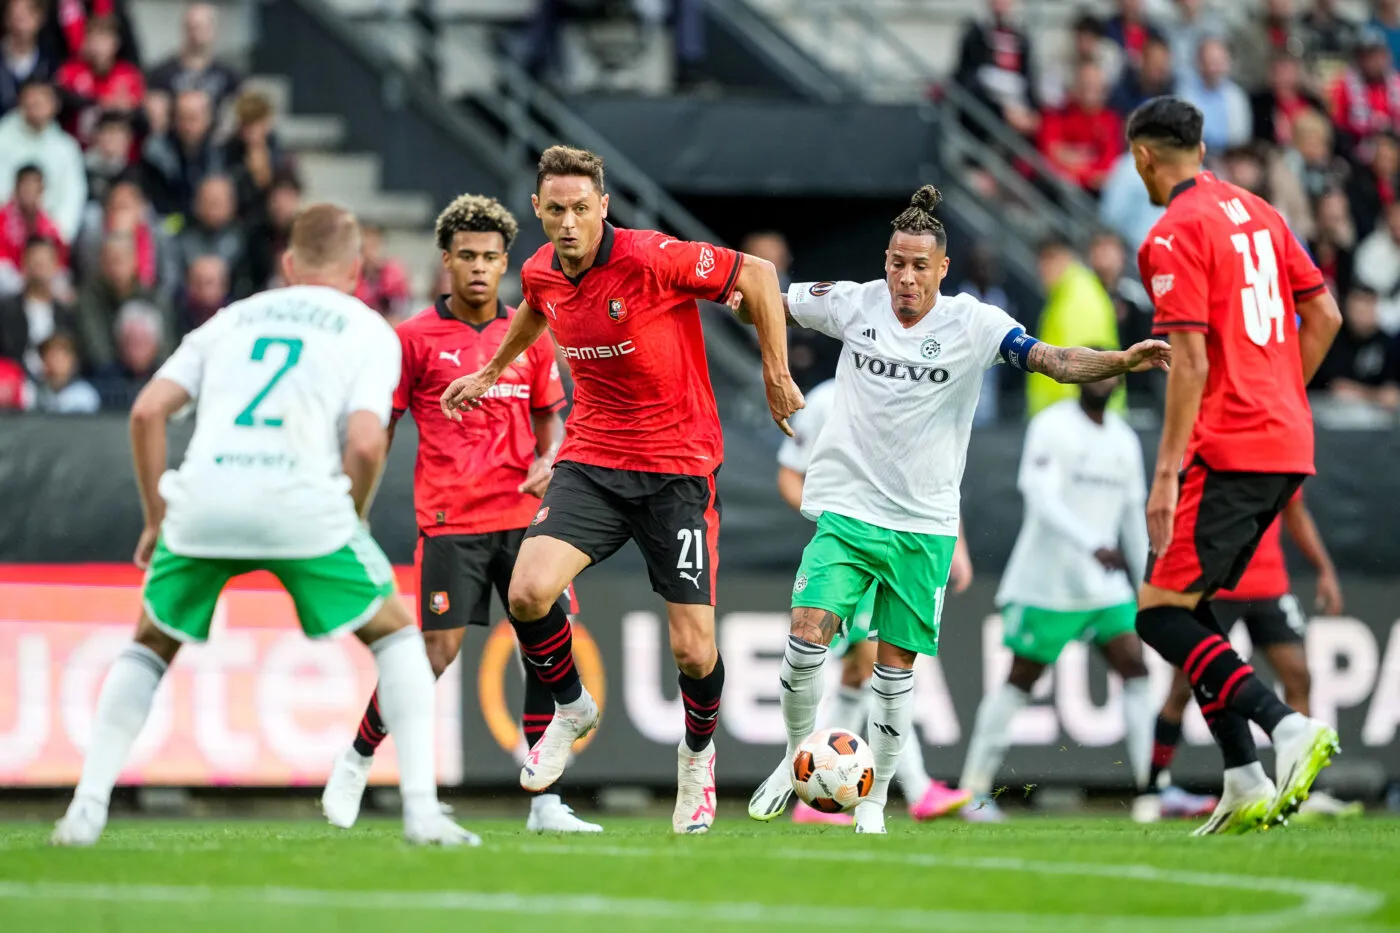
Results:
324 248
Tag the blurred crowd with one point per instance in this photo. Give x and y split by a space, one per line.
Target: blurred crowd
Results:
1302 107
136 199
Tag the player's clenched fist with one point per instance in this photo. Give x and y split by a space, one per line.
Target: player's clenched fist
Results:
465 393
784 398
1149 354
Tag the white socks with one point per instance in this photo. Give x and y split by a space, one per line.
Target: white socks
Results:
848 710
406 701
891 722
1139 722
800 678
122 708
990 737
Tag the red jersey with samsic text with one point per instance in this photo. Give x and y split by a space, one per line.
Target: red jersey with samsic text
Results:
468 473
1266 577
1223 262
630 329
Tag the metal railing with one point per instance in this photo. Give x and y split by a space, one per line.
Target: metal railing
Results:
884 67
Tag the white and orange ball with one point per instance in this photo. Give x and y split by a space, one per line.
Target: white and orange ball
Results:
833 770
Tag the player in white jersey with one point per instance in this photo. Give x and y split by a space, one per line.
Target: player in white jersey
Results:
855 644
883 485
293 389
1073 574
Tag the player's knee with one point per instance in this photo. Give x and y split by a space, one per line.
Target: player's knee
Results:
695 654
148 636
530 597
440 655
1024 674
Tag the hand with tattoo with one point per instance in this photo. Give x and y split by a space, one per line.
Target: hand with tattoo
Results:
1074 365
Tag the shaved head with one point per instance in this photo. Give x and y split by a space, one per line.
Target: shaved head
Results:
324 248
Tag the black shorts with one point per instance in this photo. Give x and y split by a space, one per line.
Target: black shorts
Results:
456 574
1220 518
1270 621
674 519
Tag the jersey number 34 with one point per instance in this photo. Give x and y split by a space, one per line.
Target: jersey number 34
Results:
1260 298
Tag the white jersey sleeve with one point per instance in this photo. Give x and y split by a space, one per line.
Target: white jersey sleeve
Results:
807 424
378 373
186 365
990 327
827 307
1042 483
1133 534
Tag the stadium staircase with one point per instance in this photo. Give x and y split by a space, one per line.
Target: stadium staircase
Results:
903 51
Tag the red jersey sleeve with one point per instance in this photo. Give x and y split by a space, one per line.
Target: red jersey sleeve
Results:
403 393
546 389
1304 277
1172 269
698 270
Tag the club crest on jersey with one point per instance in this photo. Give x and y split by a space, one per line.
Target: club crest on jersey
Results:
617 310
930 349
706 264
1161 284
800 583
821 288
438 603
540 516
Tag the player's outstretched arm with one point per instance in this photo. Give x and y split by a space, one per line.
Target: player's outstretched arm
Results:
464 392
1303 530
1186 383
1321 319
160 399
1074 365
758 281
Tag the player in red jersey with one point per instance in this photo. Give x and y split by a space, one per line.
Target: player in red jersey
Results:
1249 319
1264 602
477 482
643 449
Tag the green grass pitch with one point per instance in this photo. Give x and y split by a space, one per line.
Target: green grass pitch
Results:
1033 874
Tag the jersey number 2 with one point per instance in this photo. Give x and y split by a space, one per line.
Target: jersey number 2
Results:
1260 298
246 418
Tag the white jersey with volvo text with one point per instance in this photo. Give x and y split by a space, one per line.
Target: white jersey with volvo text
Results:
274 378
1084 489
894 446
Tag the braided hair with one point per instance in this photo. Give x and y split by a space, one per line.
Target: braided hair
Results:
918 216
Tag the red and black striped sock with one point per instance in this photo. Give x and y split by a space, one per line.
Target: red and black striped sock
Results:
1193 642
372 732
1230 731
539 706
700 695
548 647
1164 742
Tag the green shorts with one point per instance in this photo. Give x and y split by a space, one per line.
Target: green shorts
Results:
1041 634
857 628
907 570
334 593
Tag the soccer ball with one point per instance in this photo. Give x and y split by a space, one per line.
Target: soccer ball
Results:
833 770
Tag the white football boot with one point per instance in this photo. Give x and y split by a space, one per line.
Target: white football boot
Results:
549 814
82 825
695 789
345 788
435 829
772 796
1304 747
870 818
1244 803
545 763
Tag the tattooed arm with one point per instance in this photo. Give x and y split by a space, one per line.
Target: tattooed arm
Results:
1073 365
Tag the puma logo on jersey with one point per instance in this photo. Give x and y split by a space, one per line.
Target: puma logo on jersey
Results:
552 313
1165 241
455 357
693 579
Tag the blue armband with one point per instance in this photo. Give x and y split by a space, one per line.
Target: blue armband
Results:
1016 349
